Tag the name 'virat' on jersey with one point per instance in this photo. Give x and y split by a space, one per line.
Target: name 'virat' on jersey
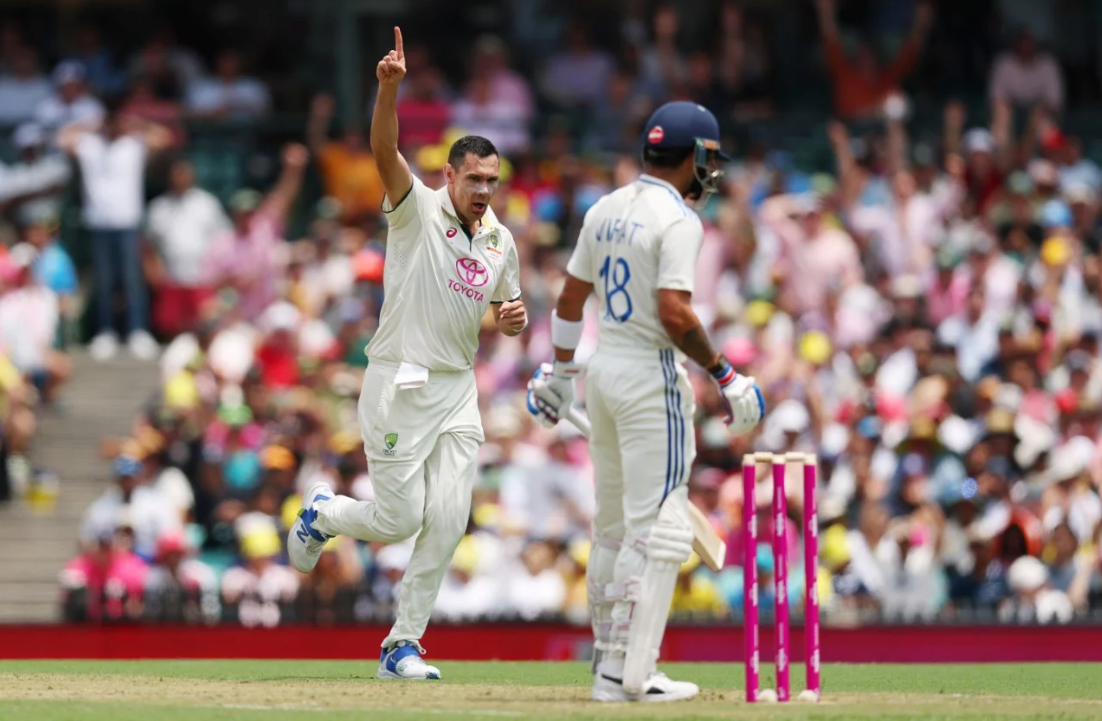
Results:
634 241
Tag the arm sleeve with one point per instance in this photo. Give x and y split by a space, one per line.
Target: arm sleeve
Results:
679 248
404 213
508 285
581 260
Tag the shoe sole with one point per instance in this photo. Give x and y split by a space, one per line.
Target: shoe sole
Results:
606 696
667 697
385 675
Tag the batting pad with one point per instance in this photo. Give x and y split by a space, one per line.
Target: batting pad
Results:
669 545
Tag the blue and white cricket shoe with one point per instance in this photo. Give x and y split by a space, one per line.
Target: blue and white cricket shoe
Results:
404 662
304 542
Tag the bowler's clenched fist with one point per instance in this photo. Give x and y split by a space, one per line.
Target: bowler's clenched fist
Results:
512 317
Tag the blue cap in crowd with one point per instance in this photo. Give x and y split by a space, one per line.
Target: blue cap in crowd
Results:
127 467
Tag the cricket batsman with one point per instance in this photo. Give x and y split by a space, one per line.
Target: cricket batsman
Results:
447 260
638 248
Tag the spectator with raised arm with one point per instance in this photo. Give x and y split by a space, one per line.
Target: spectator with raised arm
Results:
112 160
860 84
245 262
903 230
347 167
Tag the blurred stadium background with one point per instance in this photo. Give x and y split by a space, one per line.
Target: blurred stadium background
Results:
906 254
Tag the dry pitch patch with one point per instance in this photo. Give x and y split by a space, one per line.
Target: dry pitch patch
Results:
248 690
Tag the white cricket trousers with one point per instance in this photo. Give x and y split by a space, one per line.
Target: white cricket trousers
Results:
422 449
642 443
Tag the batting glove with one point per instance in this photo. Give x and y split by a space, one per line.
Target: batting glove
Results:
742 397
551 391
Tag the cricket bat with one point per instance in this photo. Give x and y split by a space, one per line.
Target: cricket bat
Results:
706 542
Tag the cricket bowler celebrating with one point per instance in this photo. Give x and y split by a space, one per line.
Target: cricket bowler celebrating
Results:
638 248
447 260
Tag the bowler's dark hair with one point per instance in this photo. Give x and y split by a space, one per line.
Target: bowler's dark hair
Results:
476 144
665 157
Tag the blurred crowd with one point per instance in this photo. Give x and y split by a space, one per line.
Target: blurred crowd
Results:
925 318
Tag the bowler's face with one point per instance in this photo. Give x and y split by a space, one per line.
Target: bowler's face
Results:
472 185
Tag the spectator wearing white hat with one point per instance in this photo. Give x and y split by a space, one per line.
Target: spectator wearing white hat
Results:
71 101
32 188
1033 600
151 515
984 175
29 318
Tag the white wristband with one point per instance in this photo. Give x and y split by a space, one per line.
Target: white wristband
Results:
566 334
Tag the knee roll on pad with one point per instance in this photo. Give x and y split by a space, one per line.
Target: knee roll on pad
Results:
671 536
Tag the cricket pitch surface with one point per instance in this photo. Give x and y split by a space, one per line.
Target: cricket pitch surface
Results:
347 690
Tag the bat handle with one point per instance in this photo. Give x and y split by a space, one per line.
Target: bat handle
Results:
578 419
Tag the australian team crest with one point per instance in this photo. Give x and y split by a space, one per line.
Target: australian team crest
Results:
391 440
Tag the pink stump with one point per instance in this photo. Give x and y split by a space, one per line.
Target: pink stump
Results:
780 575
750 577
811 579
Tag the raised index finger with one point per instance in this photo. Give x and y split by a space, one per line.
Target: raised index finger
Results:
398 42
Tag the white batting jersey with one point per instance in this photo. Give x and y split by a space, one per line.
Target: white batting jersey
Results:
438 283
636 240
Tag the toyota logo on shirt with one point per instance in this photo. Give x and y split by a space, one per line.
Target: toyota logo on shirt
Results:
471 272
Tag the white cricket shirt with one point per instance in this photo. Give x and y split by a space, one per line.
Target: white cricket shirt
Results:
183 228
635 240
438 283
113 172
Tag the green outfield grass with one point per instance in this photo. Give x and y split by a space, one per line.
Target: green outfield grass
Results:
345 690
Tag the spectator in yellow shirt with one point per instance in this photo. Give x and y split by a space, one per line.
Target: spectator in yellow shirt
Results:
697 593
348 170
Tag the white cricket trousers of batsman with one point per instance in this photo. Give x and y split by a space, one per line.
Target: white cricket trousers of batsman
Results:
422 477
640 406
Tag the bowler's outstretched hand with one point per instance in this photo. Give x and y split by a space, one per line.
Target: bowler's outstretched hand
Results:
392 68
